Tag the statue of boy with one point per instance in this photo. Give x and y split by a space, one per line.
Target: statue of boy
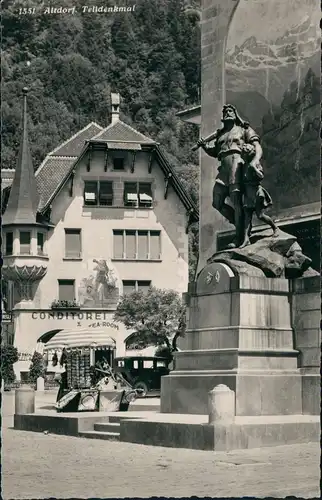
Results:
255 197
228 148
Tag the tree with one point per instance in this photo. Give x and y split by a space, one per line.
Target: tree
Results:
9 356
37 367
157 317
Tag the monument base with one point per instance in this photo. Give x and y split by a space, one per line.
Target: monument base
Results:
241 335
193 431
257 393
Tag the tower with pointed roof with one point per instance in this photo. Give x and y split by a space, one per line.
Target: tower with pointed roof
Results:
24 234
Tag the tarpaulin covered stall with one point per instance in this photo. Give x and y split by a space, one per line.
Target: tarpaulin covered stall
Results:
80 393
96 338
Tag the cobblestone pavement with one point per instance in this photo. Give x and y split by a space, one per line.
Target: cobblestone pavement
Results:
35 465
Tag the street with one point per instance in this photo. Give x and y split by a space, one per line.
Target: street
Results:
36 465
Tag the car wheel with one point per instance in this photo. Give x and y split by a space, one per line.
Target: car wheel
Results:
144 389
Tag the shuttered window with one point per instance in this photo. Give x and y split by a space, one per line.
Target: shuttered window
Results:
155 245
138 194
40 243
130 194
137 244
143 245
9 243
130 244
98 193
91 193
130 286
118 244
73 247
105 197
66 290
145 194
143 285
25 242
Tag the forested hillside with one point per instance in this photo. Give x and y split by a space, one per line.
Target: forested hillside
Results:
71 63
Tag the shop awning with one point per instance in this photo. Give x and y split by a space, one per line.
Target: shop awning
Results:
82 337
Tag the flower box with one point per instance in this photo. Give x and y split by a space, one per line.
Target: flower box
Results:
65 304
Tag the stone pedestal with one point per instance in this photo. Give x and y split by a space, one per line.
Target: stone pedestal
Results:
239 334
40 385
24 400
306 314
221 405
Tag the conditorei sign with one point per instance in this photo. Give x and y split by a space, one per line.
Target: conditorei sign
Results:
100 318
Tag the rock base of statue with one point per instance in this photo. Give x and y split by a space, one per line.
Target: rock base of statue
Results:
278 256
258 336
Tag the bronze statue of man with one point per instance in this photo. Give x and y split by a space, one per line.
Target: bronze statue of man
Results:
229 142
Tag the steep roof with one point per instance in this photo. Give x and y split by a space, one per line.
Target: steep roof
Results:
74 145
58 165
120 131
59 162
24 197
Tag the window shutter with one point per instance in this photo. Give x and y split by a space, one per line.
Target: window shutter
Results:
106 193
155 245
130 244
128 286
73 243
130 194
145 194
142 244
118 244
66 289
144 286
90 192
40 243
25 240
9 243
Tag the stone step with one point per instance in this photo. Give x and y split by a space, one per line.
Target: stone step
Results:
108 436
117 418
107 427
144 407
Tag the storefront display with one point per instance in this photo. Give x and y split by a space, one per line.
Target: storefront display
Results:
88 382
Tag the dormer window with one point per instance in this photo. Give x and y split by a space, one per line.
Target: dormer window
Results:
118 164
138 194
9 243
90 193
25 242
145 195
98 193
130 194
105 196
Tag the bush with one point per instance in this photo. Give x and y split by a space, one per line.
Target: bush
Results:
164 351
37 367
9 356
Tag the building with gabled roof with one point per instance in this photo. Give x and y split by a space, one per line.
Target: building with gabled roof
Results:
111 215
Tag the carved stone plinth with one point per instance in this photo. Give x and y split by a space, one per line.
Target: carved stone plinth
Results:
239 334
24 271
